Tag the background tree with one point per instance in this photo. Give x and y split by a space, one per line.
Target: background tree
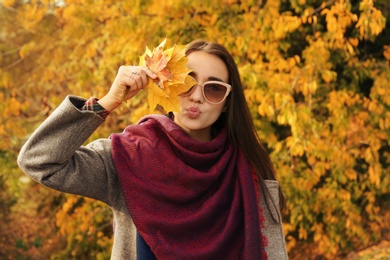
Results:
317 81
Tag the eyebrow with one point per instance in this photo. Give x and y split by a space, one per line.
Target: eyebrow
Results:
194 74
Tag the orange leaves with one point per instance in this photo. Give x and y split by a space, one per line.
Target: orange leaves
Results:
386 52
81 219
158 63
170 67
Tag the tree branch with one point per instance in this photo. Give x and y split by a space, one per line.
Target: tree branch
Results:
319 9
13 64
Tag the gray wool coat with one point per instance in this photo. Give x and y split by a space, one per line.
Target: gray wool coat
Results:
54 156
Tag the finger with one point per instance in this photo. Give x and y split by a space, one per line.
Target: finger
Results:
137 82
129 80
150 73
134 73
141 77
144 78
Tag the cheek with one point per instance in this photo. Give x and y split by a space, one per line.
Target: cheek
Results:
182 101
222 107
217 110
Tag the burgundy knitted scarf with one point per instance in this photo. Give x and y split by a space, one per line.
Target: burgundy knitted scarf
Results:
188 199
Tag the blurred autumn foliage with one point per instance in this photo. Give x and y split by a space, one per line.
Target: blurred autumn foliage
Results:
317 80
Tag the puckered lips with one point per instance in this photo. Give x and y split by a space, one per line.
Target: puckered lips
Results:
193 112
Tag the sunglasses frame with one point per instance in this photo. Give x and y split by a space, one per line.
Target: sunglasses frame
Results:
228 90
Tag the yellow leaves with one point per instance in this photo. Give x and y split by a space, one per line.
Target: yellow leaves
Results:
27 49
207 20
285 24
177 66
324 243
278 146
350 174
317 55
328 75
380 92
32 15
316 122
371 21
240 42
318 232
92 50
308 16
384 123
230 2
291 242
309 88
353 41
6 79
336 100
379 251
9 3
302 233
294 60
295 146
283 99
344 195
374 174
70 11
157 7
110 13
338 18
81 217
170 67
61 216
13 107
266 109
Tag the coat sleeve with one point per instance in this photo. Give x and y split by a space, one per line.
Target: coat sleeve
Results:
276 249
54 154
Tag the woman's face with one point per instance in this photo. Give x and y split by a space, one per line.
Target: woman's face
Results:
196 114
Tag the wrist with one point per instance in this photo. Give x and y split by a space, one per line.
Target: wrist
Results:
109 103
92 105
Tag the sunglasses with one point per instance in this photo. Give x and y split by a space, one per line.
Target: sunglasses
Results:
214 92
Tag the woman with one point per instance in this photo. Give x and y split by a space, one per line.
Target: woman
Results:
195 184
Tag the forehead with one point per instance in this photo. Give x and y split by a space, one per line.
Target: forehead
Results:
206 66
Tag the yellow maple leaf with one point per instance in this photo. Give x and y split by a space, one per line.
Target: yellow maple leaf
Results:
167 97
170 67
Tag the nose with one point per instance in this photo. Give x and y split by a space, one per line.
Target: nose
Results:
196 94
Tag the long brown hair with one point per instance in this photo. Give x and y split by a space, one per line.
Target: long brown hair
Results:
238 120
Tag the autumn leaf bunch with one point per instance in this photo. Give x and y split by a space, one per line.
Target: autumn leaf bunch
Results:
172 75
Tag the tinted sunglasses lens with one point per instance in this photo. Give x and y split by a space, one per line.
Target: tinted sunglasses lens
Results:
214 92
